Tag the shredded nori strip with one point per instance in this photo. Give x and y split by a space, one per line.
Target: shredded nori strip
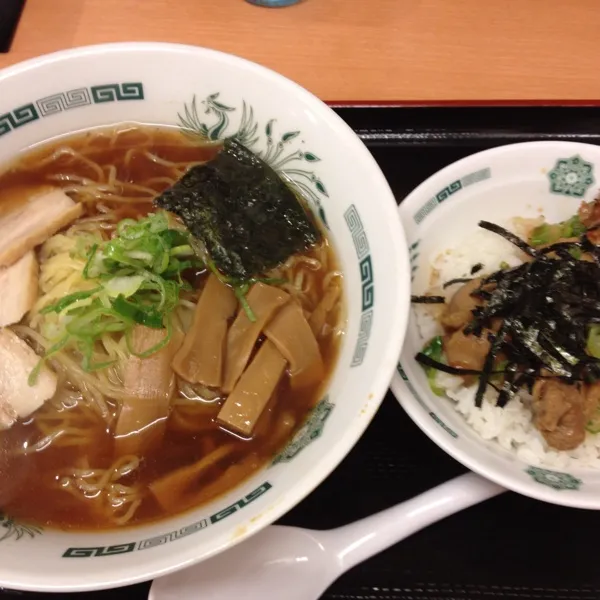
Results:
427 299
244 214
427 361
510 385
476 268
508 235
546 306
488 366
457 280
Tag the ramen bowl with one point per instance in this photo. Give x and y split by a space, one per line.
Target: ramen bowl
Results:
222 96
440 218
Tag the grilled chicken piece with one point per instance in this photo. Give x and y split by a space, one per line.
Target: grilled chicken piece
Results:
589 215
29 215
19 287
466 351
560 412
592 400
460 308
17 398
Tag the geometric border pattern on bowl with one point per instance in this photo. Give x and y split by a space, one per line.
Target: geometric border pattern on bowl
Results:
310 431
56 103
361 244
418 398
451 188
171 536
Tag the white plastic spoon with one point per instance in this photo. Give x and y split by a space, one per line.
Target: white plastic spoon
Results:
300 564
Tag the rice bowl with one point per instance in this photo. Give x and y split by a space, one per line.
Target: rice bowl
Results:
528 181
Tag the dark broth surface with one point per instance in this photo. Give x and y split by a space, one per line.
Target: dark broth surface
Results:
32 490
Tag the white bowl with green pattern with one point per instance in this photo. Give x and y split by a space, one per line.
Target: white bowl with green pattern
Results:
496 185
222 95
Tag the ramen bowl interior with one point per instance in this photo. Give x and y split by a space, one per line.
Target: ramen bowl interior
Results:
131 450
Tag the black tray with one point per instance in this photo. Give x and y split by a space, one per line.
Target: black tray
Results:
509 547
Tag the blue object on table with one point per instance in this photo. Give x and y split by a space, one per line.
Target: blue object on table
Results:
273 3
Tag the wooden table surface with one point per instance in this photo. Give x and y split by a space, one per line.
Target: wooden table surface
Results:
369 50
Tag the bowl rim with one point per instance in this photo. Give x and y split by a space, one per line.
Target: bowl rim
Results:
419 414
396 323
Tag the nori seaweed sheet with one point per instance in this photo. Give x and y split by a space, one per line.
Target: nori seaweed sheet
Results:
248 219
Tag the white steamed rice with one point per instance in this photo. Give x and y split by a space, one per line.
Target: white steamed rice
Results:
511 427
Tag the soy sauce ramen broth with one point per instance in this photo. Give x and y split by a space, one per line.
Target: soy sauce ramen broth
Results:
74 480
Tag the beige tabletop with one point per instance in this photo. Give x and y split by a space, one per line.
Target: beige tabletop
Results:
349 50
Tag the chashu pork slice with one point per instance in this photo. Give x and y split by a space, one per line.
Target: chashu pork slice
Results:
18 289
17 398
29 215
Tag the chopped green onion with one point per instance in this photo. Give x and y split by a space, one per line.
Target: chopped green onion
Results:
90 366
547 233
63 303
542 235
593 341
183 250
96 322
140 255
123 285
176 266
124 225
240 292
175 238
33 376
91 256
154 348
35 373
434 350
572 227
150 317
139 280
240 288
